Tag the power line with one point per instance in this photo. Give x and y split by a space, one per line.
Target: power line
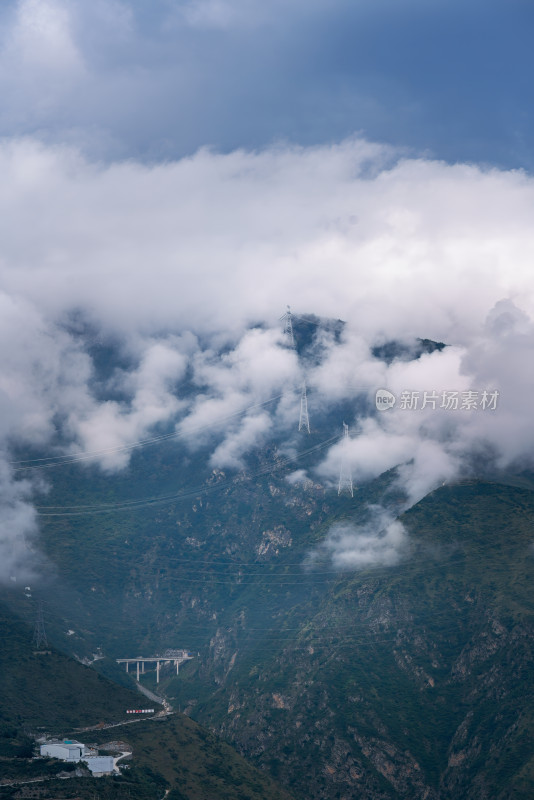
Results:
402 569
77 510
60 460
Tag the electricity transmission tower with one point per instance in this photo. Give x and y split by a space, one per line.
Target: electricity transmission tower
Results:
39 633
288 328
345 472
304 422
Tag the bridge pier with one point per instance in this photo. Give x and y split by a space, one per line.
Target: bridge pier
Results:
176 657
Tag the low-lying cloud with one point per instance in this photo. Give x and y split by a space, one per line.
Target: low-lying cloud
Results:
431 440
383 541
188 266
18 528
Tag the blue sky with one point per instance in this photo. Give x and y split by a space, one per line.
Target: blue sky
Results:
160 79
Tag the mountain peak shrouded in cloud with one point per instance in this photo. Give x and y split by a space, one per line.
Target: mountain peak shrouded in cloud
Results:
177 262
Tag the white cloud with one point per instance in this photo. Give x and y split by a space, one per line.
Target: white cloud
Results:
250 434
258 373
106 427
431 445
214 241
382 541
176 260
40 63
18 528
42 36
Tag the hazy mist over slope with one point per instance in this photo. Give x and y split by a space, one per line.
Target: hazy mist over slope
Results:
175 173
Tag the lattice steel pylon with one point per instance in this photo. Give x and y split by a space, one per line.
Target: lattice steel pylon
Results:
288 328
304 421
39 633
345 472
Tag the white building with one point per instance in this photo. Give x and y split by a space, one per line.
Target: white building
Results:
67 750
100 765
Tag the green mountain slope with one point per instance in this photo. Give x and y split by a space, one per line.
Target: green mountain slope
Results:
413 681
193 762
48 690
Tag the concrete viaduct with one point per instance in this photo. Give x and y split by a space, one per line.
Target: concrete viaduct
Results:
177 657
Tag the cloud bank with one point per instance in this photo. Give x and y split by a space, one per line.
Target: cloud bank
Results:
187 266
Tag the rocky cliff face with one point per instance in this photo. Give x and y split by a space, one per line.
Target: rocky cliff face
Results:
414 681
